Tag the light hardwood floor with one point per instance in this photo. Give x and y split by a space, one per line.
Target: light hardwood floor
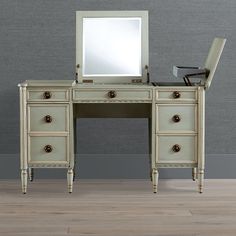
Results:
118 207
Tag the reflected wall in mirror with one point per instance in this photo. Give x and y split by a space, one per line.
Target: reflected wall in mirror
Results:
112 46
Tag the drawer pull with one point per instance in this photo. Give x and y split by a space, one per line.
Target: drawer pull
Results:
176 118
176 94
48 119
48 148
47 95
176 148
111 94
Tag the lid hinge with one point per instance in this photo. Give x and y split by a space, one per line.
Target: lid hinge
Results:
136 81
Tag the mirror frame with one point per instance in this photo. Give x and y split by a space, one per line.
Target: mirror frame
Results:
119 14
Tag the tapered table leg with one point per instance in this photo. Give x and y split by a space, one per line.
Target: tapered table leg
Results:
194 173
155 176
24 180
70 174
200 179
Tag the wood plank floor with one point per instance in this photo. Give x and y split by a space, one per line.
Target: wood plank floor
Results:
118 207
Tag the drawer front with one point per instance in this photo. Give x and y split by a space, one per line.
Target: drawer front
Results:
48 149
48 118
176 95
176 117
110 95
48 95
176 149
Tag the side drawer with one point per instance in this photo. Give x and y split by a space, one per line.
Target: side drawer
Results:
176 118
48 149
112 94
176 94
48 95
176 149
48 117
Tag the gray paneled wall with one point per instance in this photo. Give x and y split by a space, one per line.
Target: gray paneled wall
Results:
37 41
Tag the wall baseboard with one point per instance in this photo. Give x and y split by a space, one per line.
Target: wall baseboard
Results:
121 166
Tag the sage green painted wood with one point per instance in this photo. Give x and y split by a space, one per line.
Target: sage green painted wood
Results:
59 151
103 94
154 102
213 58
186 154
56 95
186 112
166 93
58 113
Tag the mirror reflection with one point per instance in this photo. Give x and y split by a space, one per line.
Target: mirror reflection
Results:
112 46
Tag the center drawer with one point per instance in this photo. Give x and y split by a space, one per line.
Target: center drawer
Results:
48 149
176 118
110 95
48 118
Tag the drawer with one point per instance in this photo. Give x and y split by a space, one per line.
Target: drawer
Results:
110 95
48 118
176 118
48 149
176 94
176 149
47 95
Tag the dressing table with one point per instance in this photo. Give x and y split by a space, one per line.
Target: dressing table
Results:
112 80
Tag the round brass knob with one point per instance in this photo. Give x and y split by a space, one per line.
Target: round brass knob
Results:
112 94
48 148
176 148
176 118
48 119
176 94
47 95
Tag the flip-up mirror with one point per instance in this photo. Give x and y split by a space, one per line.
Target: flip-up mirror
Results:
112 46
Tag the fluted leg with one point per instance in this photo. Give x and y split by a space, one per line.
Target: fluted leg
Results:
70 174
31 174
194 173
200 179
155 176
24 180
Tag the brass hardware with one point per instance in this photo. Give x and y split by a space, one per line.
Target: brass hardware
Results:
111 94
87 81
176 148
48 119
48 148
47 95
176 118
77 66
136 81
176 94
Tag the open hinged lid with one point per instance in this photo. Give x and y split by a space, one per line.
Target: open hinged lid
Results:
112 46
206 73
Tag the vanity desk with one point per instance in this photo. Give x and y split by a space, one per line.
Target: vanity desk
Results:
49 109
112 80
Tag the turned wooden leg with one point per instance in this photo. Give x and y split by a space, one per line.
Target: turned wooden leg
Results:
70 174
200 179
24 180
155 176
31 174
194 173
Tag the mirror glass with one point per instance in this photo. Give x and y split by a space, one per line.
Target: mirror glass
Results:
112 46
